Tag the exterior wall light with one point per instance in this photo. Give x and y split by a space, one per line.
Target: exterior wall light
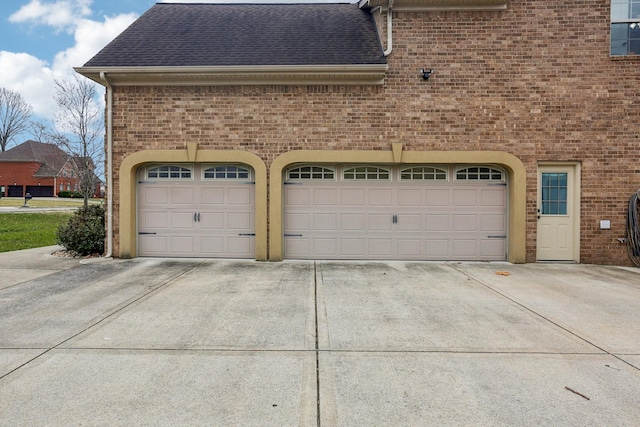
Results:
426 73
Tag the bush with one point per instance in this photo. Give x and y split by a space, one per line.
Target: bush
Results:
70 195
84 232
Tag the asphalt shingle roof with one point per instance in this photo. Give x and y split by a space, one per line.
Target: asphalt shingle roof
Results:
174 35
50 156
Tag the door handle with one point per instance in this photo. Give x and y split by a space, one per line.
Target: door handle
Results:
198 216
395 218
195 217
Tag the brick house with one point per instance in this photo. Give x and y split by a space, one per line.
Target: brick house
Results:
38 168
402 129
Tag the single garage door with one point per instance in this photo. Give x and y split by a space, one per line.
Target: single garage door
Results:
40 190
196 211
398 213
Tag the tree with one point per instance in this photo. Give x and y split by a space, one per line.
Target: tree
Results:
14 116
78 129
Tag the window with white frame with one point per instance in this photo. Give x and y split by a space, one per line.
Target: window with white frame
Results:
625 27
227 172
366 173
424 173
311 173
170 172
479 173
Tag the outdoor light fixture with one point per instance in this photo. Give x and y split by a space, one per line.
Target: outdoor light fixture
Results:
426 73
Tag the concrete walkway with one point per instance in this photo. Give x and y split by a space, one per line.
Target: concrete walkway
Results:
226 343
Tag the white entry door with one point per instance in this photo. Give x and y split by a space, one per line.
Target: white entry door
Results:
557 214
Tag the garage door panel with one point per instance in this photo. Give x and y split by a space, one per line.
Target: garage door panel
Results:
350 197
493 197
437 197
465 197
212 220
155 196
325 246
154 244
239 245
380 247
213 196
410 197
212 245
465 248
297 196
352 221
462 222
493 248
325 196
410 247
182 244
239 221
437 248
381 197
438 222
297 246
493 222
380 222
154 219
325 221
182 196
410 222
297 221
181 219
240 196
353 247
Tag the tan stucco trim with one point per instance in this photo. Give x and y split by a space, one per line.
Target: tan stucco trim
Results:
128 188
514 167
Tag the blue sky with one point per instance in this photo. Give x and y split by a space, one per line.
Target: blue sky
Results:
43 39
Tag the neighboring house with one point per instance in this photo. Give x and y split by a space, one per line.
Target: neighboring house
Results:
40 169
319 131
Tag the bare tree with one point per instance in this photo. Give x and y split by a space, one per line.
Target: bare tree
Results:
14 116
39 131
79 128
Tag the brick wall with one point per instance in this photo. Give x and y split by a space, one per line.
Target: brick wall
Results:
536 81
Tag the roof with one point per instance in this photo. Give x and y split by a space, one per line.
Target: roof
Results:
196 43
50 156
246 34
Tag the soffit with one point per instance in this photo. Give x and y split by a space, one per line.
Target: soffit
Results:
369 74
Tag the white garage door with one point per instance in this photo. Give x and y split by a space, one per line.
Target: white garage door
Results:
196 211
396 213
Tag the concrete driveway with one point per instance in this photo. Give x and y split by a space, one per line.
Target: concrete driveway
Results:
226 343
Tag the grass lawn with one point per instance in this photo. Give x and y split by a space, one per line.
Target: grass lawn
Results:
44 202
29 230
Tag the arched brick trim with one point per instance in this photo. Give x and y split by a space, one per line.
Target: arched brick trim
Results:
514 167
128 188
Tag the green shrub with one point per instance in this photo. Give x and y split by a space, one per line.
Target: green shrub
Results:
84 232
70 195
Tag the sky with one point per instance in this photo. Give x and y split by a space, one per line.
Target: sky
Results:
41 40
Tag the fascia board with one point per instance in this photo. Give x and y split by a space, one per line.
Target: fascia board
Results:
366 74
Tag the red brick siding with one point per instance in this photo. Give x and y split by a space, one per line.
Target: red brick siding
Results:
535 81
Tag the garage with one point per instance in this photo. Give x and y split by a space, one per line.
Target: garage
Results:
408 212
196 210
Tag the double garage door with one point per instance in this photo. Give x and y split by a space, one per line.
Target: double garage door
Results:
402 213
196 211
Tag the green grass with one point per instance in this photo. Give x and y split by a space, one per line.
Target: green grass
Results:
29 230
44 202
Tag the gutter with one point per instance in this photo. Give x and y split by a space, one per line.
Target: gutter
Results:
109 171
389 28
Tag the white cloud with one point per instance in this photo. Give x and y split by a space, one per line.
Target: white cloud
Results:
90 37
30 77
61 15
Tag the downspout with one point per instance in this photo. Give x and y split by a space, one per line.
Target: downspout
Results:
389 28
109 171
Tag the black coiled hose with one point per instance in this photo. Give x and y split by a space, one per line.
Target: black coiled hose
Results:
633 229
